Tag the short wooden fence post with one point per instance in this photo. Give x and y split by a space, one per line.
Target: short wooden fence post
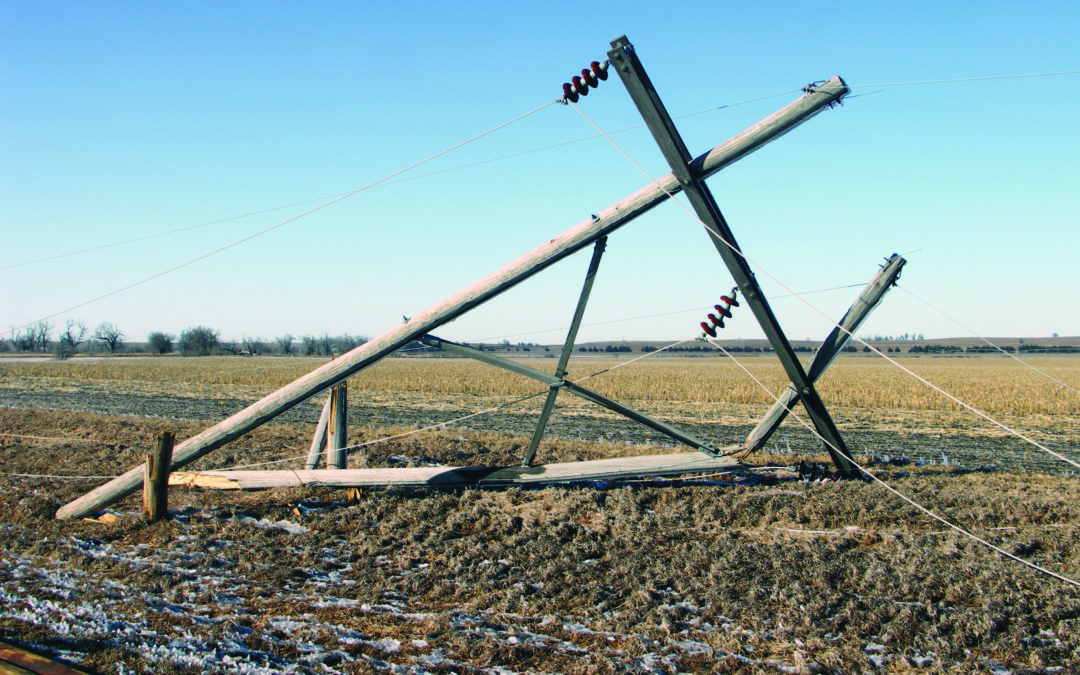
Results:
156 479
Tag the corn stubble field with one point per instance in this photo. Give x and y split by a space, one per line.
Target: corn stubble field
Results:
748 571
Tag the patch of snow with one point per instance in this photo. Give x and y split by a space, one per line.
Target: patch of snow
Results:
388 645
286 625
693 647
291 528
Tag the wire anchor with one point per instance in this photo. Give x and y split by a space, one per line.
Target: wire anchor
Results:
813 87
723 310
579 84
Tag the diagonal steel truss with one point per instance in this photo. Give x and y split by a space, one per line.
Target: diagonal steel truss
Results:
626 63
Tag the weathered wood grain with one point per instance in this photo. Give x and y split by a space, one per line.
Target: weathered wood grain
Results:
318 441
599 469
156 479
338 457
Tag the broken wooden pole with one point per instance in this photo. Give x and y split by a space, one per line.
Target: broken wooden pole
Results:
870 296
338 456
576 238
613 468
156 479
319 441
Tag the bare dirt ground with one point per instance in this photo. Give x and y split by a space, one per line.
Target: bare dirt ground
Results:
739 572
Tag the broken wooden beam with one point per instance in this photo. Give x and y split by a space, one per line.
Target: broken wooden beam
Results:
318 442
614 468
869 298
337 456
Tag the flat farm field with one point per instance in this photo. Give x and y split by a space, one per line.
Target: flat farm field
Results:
746 571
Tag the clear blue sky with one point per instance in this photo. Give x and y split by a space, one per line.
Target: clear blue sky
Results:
126 119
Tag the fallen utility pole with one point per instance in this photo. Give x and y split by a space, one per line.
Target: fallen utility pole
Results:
625 62
477 476
833 345
528 265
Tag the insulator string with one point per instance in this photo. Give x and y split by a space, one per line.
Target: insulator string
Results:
579 84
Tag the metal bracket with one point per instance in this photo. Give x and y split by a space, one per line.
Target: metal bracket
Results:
578 390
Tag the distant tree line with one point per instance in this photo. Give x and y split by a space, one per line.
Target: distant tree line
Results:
610 349
987 349
852 349
749 349
38 338
44 337
936 349
906 337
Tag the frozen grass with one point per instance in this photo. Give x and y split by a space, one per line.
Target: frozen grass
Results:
733 573
775 576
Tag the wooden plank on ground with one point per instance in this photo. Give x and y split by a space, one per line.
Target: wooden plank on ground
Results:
442 476
17 661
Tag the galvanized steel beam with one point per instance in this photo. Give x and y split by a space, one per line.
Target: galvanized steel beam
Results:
625 62
560 383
